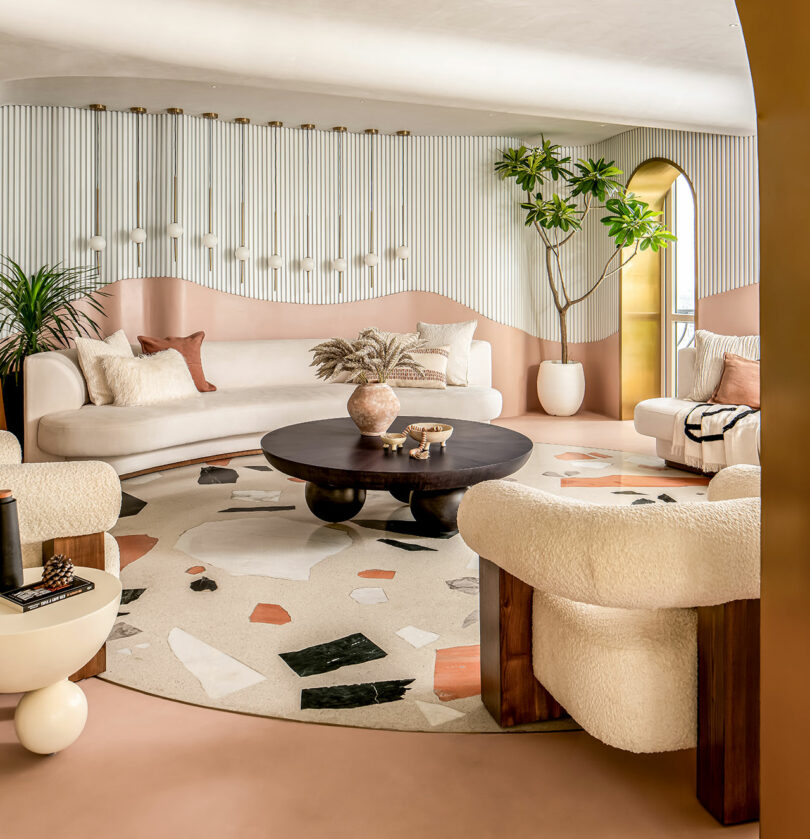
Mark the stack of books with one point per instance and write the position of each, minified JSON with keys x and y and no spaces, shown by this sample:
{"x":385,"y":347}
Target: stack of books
{"x":34,"y":595}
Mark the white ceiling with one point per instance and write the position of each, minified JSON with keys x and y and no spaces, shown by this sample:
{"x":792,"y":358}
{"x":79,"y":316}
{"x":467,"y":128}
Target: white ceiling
{"x":577,"y":70}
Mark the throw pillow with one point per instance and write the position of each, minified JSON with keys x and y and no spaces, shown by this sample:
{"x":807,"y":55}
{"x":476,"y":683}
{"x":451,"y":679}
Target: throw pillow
{"x":457,"y":336}
{"x":188,"y":347}
{"x":711,"y":350}
{"x":434,"y":363}
{"x":91,"y":354}
{"x":739,"y":384}
{"x":149,"y":378}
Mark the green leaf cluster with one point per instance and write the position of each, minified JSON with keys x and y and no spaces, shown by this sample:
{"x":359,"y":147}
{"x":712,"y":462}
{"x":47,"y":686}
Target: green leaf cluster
{"x":41,"y":311}
{"x":632,"y":222}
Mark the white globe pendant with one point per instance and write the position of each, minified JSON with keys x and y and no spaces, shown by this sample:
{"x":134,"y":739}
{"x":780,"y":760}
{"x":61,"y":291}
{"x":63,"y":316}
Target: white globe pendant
{"x":97,"y":243}
{"x":137,"y":236}
{"x":175,"y":230}
{"x":339,"y":265}
{"x":307,"y":264}
{"x":276,"y":261}
{"x":210,"y":240}
{"x":371,"y":260}
{"x":242,"y":253}
{"x":403,"y":252}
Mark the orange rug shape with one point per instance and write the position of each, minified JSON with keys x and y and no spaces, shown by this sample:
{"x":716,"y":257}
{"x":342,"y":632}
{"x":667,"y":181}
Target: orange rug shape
{"x":134,"y":547}
{"x":377,"y":574}
{"x":634,"y":481}
{"x":573,"y":456}
{"x":270,"y":613}
{"x":457,"y":672}
{"x":297,"y":480}
{"x":224,"y":462}
{"x":195,"y":569}
{"x":598,"y":454}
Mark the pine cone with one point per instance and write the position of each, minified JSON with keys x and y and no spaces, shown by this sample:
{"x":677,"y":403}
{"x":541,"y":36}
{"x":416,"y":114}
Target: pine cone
{"x":58,"y":572}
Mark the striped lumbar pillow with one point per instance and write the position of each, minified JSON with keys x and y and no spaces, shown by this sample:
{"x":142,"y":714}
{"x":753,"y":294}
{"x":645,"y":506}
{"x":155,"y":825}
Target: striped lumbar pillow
{"x":434,"y":364}
{"x":711,"y":350}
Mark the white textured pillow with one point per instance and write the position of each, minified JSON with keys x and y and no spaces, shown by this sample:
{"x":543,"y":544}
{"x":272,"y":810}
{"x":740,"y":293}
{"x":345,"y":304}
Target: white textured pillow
{"x":457,"y":336}
{"x":147,"y":379}
{"x":91,"y":354}
{"x":709,"y":360}
{"x":434,"y":366}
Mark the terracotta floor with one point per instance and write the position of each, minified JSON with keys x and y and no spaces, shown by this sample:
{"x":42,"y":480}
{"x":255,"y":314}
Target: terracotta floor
{"x":147,"y":767}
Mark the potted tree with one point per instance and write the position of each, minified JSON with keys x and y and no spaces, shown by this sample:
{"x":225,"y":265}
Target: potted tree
{"x":40,"y":312}
{"x":558,"y":217}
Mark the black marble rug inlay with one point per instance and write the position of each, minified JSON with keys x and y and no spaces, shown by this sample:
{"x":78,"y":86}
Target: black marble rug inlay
{"x":354,"y":696}
{"x":668,"y":498}
{"x":203,"y":584}
{"x":130,"y":594}
{"x":322,"y":658}
{"x":405,"y":546}
{"x":406,"y":528}
{"x":217,"y":475}
{"x":130,"y":505}
{"x":627,"y":492}
{"x":644,"y":501}
{"x":259,"y":468}
{"x":467,"y":585}
{"x":255,"y":509}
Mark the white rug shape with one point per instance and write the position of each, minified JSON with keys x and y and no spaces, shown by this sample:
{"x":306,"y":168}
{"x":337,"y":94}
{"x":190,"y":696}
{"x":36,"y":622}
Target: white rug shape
{"x":256,"y":495}
{"x":438,"y":714}
{"x":218,"y":673}
{"x":144,"y":479}
{"x":369,"y":596}
{"x":268,"y":546}
{"x":416,"y":637}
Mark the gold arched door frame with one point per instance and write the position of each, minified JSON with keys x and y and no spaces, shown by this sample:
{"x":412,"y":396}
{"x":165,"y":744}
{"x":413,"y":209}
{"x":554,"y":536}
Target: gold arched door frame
{"x":640,"y":294}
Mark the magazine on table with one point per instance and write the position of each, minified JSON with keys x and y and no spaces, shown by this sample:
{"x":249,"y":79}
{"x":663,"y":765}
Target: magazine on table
{"x":34,"y":595}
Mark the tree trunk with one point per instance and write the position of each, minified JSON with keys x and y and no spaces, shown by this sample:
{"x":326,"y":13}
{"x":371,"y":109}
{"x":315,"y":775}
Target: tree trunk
{"x":564,"y":334}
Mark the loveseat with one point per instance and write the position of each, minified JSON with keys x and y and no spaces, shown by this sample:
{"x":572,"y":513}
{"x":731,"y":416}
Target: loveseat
{"x":261,"y":385}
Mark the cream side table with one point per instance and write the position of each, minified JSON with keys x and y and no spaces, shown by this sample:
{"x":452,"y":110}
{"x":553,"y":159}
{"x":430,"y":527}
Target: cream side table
{"x":40,"y":649}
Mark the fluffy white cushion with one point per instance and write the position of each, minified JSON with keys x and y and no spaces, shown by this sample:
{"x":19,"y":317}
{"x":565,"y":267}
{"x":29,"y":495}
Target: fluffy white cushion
{"x":91,"y":354}
{"x":434,"y":368}
{"x":457,"y":336}
{"x":711,"y":350}
{"x":149,"y":378}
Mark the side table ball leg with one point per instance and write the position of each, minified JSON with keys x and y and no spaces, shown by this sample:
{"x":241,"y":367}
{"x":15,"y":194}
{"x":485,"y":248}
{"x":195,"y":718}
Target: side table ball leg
{"x":51,"y":718}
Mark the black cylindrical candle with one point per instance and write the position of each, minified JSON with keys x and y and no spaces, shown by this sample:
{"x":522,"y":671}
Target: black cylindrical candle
{"x":11,"y":571}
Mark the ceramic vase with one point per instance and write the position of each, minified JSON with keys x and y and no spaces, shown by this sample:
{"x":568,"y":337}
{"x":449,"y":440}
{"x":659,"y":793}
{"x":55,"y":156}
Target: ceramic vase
{"x":373,"y":407}
{"x":561,"y":387}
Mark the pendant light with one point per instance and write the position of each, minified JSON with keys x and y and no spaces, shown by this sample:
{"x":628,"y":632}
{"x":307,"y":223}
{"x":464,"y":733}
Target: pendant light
{"x":308,"y":263}
{"x":275,"y":260}
{"x":339,"y":264}
{"x":210,"y":240}
{"x":242,"y":253}
{"x":138,"y":235}
{"x":97,"y":242}
{"x":174,"y":228}
{"x":403,"y":251}
{"x":371,"y":260}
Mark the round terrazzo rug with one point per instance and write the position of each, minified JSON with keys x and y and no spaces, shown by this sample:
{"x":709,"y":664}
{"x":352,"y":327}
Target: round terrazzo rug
{"x":236,"y":597}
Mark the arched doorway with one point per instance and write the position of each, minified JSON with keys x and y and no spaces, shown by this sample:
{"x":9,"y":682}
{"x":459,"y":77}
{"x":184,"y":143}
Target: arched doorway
{"x":658,"y":294}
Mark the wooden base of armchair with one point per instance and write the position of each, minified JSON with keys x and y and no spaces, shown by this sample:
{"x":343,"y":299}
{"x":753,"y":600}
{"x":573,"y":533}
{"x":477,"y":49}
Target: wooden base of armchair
{"x":89,"y":552}
{"x":728,"y":687}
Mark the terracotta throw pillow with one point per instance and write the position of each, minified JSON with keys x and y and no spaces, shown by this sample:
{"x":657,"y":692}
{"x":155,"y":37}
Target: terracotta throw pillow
{"x":188,"y":347}
{"x":739,"y":384}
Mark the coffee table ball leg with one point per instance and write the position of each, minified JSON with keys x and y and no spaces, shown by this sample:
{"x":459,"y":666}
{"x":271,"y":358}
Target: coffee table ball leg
{"x":437,"y":510}
{"x":402,"y":494}
{"x":50,"y":719}
{"x":333,"y":503}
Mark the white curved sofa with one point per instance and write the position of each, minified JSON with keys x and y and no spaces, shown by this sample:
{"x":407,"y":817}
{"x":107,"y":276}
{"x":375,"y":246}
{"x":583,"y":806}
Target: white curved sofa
{"x":261,"y":385}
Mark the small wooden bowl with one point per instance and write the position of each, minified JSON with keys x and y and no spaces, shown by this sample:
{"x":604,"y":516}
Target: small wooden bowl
{"x":437,"y":432}
{"x":393,"y":440}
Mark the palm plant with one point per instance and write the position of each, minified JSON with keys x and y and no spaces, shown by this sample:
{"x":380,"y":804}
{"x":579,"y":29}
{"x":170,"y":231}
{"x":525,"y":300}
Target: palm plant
{"x":558,"y":218}
{"x":40,"y":312}
{"x":372,"y":357}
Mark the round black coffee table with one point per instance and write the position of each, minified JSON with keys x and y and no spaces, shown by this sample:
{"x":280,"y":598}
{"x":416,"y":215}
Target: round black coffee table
{"x":339,"y":465}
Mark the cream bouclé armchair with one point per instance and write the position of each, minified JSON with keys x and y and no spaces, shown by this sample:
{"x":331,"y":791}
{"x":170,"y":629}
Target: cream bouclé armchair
{"x":640,"y":621}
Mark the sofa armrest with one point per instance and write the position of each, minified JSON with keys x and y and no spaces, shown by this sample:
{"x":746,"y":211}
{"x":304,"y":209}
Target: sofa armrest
{"x":53,"y":382}
{"x":9,"y":448}
{"x":740,"y":481}
{"x":634,"y":557}
{"x":72,"y":498}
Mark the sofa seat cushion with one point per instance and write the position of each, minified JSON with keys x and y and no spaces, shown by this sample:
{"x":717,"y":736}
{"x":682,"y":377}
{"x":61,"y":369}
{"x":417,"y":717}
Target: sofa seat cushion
{"x":654,"y":417}
{"x":627,"y":676}
{"x":110,"y":431}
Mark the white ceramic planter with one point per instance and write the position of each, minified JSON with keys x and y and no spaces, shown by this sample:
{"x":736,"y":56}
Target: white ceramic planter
{"x":561,"y":387}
